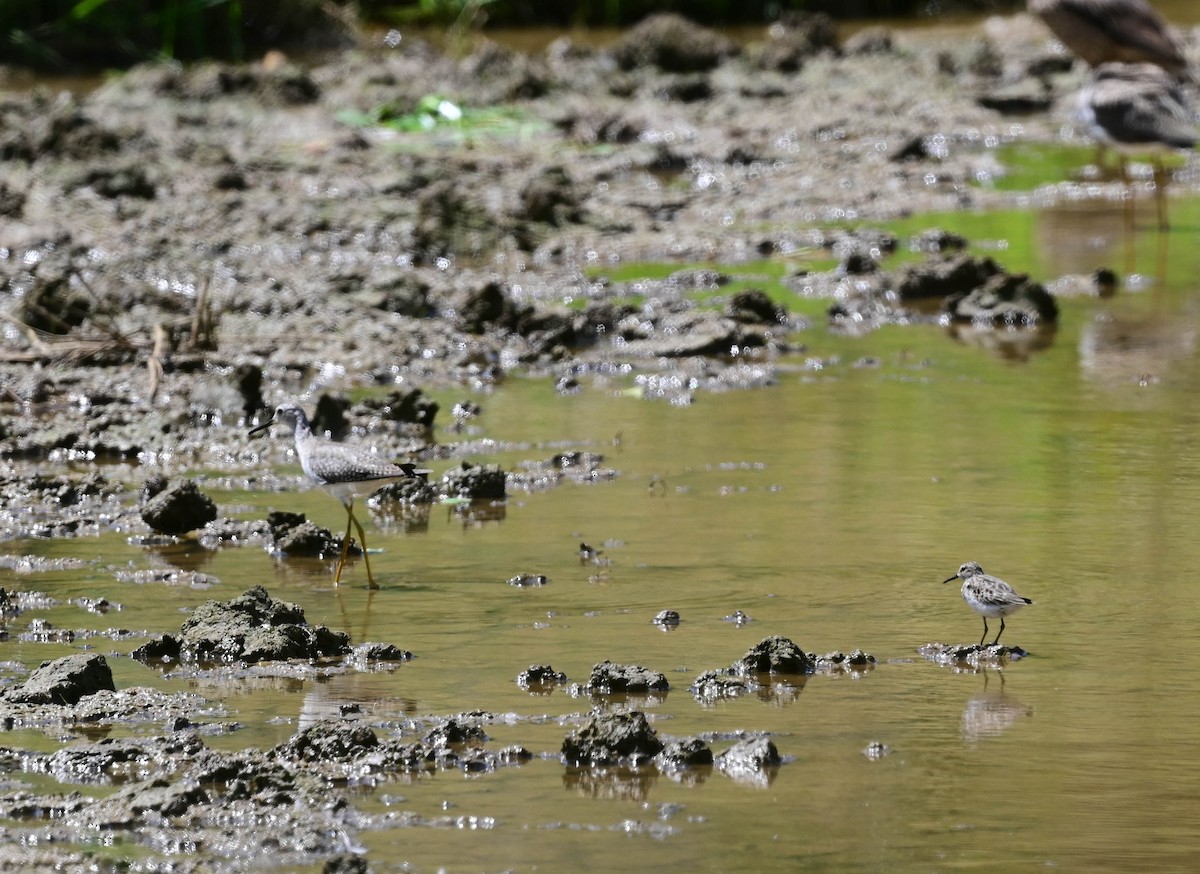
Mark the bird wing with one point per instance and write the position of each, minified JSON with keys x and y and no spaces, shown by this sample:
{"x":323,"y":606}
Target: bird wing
{"x":1131,"y":114}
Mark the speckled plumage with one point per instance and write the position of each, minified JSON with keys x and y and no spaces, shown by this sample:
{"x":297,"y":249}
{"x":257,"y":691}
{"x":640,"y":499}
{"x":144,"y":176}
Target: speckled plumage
{"x":1138,"y":108}
{"x":346,"y":472}
{"x":988,"y":596}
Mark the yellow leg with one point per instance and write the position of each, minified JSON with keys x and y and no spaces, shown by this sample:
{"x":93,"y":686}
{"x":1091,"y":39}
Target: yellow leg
{"x":1160,"y":194}
{"x":337,"y":577}
{"x":362,"y":536}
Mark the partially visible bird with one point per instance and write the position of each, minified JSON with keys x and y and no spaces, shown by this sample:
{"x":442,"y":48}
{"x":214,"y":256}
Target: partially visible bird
{"x":1138,"y":109}
{"x":987,"y":596}
{"x":1099,"y":31}
{"x":346,"y":472}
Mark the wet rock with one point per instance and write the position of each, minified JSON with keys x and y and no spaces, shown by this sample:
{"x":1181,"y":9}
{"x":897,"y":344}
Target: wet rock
{"x":293,"y":534}
{"x":328,"y":742}
{"x":329,"y":417}
{"x":525,"y":581}
{"x":63,"y":681}
{"x":12,"y":201}
{"x":792,"y":40}
{"x":666,"y":618}
{"x":714,"y":685}
{"x":942,"y":277}
{"x":53,"y":305}
{"x":773,"y":655}
{"x":539,"y":677}
{"x":453,"y":732}
{"x":550,"y":197}
{"x":399,"y":292}
{"x":855,"y":661}
{"x":750,"y":760}
{"x":412,"y":407}
{"x":247,"y":378}
{"x":1008,"y":299}
{"x":346,"y":864}
{"x":368,"y":654}
{"x":681,"y":754}
{"x":115,"y":181}
{"x":753,"y":306}
{"x":610,"y":679}
{"x":489,"y":306}
{"x":685,"y":333}
{"x":478,"y":482}
{"x":673,"y":44}
{"x":1022,"y":97}
{"x":612,"y":739}
{"x":250,"y":628}
{"x":935,"y":241}
{"x":971,"y":655}
{"x":876,"y":750}
{"x":178,"y":508}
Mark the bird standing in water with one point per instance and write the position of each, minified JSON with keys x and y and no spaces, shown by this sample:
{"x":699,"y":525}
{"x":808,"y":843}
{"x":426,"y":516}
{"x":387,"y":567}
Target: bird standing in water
{"x":346,"y":472}
{"x":1138,"y":109}
{"x":987,"y":596}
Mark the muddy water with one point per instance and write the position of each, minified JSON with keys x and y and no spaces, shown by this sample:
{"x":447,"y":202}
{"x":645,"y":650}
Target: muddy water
{"x":828,"y":508}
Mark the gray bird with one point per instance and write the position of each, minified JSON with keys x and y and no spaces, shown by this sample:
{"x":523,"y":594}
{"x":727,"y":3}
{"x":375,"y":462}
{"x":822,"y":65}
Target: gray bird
{"x":346,"y":472}
{"x":1138,"y":109}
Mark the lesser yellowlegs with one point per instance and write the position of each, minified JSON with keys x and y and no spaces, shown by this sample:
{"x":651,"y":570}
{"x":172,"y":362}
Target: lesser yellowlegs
{"x":988,"y":596}
{"x":346,"y":472}
{"x":1138,"y":108}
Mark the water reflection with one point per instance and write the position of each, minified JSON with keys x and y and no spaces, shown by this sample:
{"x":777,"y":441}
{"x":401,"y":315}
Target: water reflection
{"x":619,"y":784}
{"x":1127,"y":349}
{"x":1011,"y":344}
{"x":992,"y":712}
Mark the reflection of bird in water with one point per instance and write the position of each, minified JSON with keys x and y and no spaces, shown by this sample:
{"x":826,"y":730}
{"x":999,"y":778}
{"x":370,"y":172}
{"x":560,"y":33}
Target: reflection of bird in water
{"x":1122,"y":350}
{"x":1100,"y":31}
{"x":1138,"y":109}
{"x":991,"y":713}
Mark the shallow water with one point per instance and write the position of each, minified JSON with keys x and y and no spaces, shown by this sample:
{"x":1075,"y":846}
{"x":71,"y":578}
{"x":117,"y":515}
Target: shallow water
{"x":828,"y":507}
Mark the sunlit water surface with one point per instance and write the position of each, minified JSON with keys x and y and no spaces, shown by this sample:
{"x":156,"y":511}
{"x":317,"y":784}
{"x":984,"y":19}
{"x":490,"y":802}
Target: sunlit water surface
{"x":829,"y":508}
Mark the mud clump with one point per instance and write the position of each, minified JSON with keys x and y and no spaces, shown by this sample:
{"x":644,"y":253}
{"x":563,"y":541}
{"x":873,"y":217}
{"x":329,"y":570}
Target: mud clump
{"x":537,"y":678}
{"x":672,"y":44}
{"x":293,"y":534}
{"x":752,"y":760}
{"x":250,"y":628}
{"x":773,"y":655}
{"x":178,"y":508}
{"x":63,"y":681}
{"x":478,"y":482}
{"x":971,"y":655}
{"x":612,"y":739}
{"x":610,"y":679}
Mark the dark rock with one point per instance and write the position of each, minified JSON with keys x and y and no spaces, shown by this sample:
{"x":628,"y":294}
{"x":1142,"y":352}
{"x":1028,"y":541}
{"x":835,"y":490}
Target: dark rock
{"x":610,"y":739}
{"x":53,"y":305}
{"x":752,"y":305}
{"x":478,"y":482}
{"x":63,"y":681}
{"x":942,"y":277}
{"x":609,"y":679}
{"x":328,"y":742}
{"x":455,"y":733}
{"x":774,"y":655}
{"x":673,"y":44}
{"x":412,"y":407}
{"x":690,"y":753}
{"x":1020,"y":98}
{"x":1011,"y":299}
{"x":540,"y":676}
{"x":163,"y":649}
{"x":714,"y":685}
{"x":400,"y":293}
{"x":550,"y":197}
{"x":489,"y":307}
{"x":292,"y":534}
{"x":972,"y":655}
{"x":346,"y":864}
{"x":792,"y":40}
{"x":369,"y":653}
{"x":330,"y":416}
{"x":686,"y":88}
{"x":179,"y":508}
{"x":252,"y":627}
{"x":114,"y":182}
{"x":666,"y":618}
{"x":12,"y":201}
{"x":248,"y":380}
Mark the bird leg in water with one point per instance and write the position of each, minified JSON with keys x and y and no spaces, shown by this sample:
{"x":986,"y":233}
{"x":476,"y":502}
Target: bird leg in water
{"x":337,"y":577}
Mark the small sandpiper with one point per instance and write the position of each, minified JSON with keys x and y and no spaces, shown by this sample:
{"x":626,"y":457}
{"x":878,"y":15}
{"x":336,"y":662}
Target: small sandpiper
{"x":988,"y":596}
